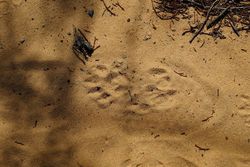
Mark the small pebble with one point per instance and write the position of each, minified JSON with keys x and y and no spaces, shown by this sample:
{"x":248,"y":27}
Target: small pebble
{"x":90,"y":12}
{"x":147,"y":37}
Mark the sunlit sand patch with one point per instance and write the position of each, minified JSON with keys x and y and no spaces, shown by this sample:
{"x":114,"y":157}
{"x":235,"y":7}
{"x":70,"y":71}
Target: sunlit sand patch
{"x":38,"y":81}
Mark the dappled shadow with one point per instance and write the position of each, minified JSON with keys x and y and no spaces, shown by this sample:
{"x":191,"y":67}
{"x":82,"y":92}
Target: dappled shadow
{"x":36,"y":96}
{"x":27,"y":109}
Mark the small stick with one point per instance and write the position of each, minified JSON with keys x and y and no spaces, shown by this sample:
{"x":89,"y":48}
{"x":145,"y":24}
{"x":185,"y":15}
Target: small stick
{"x":191,"y":30}
{"x":35,"y":124}
{"x":107,"y":8}
{"x":218,"y":92}
{"x":219,"y":18}
{"x":104,"y":12}
{"x":95,"y":43}
{"x":180,"y":73}
{"x":200,"y":148}
{"x":205,"y":22}
{"x":206,"y":119}
{"x":97,"y":47}
{"x":202,"y":44}
{"x":118,"y":4}
{"x":86,"y":30}
{"x":83,"y":35}
{"x":19,"y":143}
{"x":234,"y":28}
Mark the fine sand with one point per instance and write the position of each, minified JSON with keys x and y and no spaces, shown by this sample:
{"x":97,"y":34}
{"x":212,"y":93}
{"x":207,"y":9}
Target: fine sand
{"x":146,"y":97}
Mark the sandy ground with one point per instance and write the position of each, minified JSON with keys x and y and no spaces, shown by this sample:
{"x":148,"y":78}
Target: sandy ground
{"x":146,"y":98}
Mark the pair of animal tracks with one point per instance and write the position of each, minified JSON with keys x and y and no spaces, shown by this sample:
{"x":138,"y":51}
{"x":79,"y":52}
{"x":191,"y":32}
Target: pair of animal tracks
{"x":141,"y":97}
{"x":244,"y":109}
{"x":143,"y":91}
{"x":119,"y":84}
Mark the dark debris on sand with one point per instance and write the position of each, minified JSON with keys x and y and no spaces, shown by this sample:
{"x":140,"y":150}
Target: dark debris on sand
{"x":217,"y":14}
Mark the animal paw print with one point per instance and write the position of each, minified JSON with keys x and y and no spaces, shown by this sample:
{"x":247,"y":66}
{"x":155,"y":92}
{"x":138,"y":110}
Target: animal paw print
{"x":156,"y":92}
{"x":163,"y":89}
{"x":107,"y":86}
{"x":163,"y":93}
{"x":244,"y":109}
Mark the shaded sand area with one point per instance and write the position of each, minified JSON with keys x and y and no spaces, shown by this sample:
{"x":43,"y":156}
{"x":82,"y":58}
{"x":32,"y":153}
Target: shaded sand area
{"x":146,"y":97}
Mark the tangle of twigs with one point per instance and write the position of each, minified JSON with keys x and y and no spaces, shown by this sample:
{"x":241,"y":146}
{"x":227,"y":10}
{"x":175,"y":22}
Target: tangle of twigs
{"x":230,"y":13}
